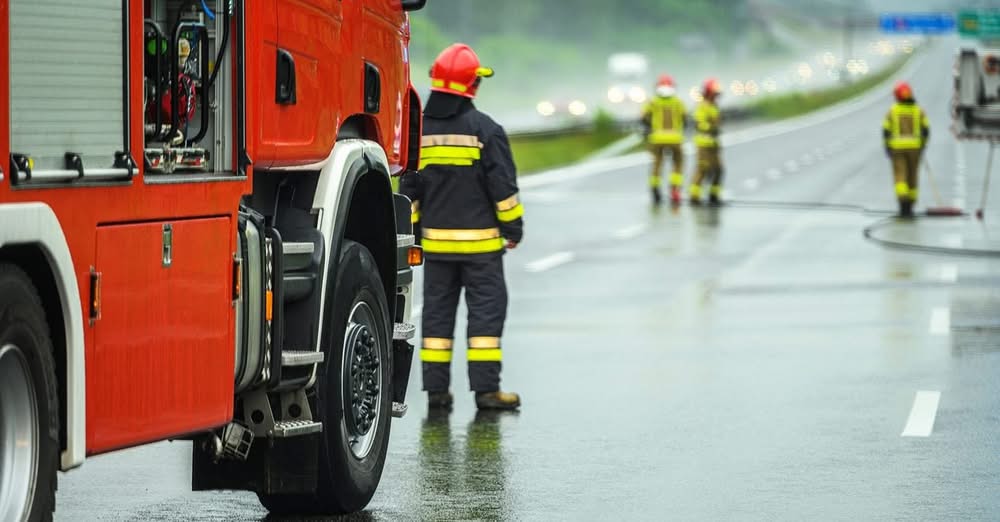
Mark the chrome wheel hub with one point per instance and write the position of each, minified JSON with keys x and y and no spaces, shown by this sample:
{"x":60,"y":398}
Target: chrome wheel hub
{"x":18,"y":435}
{"x":362,"y":380}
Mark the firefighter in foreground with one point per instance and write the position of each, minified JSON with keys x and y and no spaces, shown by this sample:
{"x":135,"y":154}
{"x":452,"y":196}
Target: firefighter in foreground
{"x":709,"y":159}
{"x":663,"y":120}
{"x":465,"y":199}
{"x":905,"y":131}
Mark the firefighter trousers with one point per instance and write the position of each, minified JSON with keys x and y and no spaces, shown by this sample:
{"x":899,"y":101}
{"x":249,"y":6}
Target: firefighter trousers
{"x":708,"y":167}
{"x":482,"y":278}
{"x":905,"y":169}
{"x":660,"y":152}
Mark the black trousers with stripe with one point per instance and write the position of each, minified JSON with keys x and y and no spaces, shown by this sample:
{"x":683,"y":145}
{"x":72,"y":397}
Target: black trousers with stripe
{"x":482,"y":278}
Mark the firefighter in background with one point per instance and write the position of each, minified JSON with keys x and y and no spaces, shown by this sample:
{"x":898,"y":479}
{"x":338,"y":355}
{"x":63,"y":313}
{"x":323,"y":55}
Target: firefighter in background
{"x":465,"y":199}
{"x":663,"y":119}
{"x":708,"y":164}
{"x":905,"y":131}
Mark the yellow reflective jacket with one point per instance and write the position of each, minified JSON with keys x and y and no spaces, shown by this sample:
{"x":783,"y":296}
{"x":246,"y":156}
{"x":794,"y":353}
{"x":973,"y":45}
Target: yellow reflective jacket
{"x":665,"y":116}
{"x":905,"y":126}
{"x":707,"y":121}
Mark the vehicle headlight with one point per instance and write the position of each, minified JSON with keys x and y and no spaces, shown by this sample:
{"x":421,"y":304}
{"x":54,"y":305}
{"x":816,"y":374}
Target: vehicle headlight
{"x":577,"y":108}
{"x":545,"y":108}
{"x":616,"y":95}
{"x":637,"y":94}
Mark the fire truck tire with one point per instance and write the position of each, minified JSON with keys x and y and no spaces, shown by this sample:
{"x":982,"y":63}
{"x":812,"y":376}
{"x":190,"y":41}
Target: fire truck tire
{"x":355,"y":438}
{"x":28,"y":390}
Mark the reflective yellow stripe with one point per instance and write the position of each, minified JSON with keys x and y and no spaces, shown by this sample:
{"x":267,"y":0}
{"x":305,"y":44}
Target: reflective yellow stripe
{"x":455,"y":86}
{"x":461,"y":234}
{"x":484,"y":72}
{"x":450,"y":151}
{"x":435,"y":356}
{"x":695,"y":191}
{"x":460,"y":140}
{"x":424,"y":162}
{"x":902,"y":189}
{"x":437,"y":343}
{"x":484,"y":342}
{"x":506,"y":216}
{"x":508,"y":203}
{"x":913,"y":194}
{"x":414,"y":211}
{"x":414,"y":217}
{"x":704,"y":140}
{"x":654,"y":181}
{"x":434,"y":246}
{"x":485,"y":355}
{"x":676,"y":179}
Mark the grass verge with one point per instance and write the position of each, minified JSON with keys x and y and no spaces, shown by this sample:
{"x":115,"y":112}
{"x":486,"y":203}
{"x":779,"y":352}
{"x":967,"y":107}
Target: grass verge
{"x":536,"y":153}
{"x":798,"y":103}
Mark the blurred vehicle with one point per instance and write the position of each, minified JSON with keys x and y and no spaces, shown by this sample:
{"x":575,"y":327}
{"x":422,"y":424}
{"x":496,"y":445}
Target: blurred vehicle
{"x":627,"y":78}
{"x":574,"y":108}
{"x":976,"y":104}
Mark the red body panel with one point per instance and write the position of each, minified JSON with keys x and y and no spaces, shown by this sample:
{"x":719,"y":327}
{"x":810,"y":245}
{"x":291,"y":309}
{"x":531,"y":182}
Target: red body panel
{"x":163,"y":329}
{"x":159,"y":361}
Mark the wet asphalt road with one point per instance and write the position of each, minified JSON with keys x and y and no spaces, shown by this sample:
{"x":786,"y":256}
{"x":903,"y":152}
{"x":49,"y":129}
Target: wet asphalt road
{"x":742,"y":363}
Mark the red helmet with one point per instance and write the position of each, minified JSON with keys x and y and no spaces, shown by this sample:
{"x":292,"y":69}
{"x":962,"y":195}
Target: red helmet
{"x":457,"y":71}
{"x":711,"y":88}
{"x":902,"y":91}
{"x":664,"y":81}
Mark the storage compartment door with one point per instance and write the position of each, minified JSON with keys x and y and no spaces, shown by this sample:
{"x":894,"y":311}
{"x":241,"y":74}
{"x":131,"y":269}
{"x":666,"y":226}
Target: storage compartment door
{"x":163,"y":354}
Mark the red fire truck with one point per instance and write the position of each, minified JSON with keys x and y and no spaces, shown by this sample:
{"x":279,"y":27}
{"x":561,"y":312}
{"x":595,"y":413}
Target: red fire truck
{"x":199,"y":240}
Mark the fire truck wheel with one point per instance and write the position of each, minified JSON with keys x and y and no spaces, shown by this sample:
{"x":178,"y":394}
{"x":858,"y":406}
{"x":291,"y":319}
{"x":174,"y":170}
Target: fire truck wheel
{"x":353,"y":395}
{"x":29,"y":408}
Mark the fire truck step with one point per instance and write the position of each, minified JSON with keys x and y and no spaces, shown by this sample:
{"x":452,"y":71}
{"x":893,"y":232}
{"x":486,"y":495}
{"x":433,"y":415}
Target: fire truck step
{"x":294,"y":428}
{"x":300,"y":358}
{"x":403,"y":331}
{"x":297,"y":256}
{"x":399,"y":409}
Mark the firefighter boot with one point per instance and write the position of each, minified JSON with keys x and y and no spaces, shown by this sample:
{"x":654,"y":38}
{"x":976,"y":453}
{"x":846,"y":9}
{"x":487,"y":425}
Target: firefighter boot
{"x":657,"y":197}
{"x":439,"y":400}
{"x":498,"y":400}
{"x":694,"y":192}
{"x":713,"y":199}
{"x":905,"y":208}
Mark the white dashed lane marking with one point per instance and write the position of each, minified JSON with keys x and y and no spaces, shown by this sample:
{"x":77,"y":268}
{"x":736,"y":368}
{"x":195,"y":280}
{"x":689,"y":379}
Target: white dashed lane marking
{"x":751,"y":183}
{"x":632,"y":231}
{"x":773,"y":174}
{"x":949,"y":273}
{"x":550,"y":262}
{"x":940,"y":321}
{"x":922,"y":414}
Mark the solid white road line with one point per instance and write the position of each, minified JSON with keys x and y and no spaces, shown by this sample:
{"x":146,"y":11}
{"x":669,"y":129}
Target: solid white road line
{"x":751,"y":183}
{"x":940,"y":321}
{"x":549,"y":262}
{"x":922,"y":415}
{"x":949,"y":273}
{"x":632,"y":231}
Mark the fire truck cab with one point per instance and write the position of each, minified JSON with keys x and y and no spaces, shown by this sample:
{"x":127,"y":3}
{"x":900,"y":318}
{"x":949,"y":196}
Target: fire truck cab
{"x":199,"y":240}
